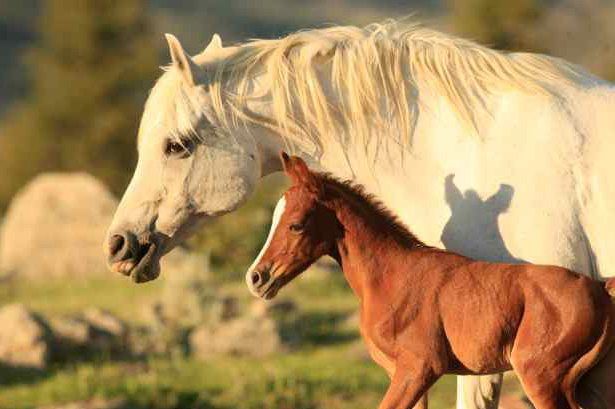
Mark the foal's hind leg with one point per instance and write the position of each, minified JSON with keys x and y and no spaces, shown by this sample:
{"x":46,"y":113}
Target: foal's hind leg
{"x":553,"y":399}
{"x":595,"y":389}
{"x":542,"y":386}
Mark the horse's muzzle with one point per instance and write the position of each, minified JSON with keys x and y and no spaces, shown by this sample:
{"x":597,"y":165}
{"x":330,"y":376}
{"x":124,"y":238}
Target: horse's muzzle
{"x":132,"y":256}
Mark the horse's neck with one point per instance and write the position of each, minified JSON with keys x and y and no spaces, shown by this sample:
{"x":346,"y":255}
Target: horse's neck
{"x":367,"y":251}
{"x":348,"y":157}
{"x":384,"y":161}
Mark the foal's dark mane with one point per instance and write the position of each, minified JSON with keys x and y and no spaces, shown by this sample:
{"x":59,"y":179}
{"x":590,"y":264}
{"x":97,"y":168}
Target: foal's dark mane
{"x":373,"y":208}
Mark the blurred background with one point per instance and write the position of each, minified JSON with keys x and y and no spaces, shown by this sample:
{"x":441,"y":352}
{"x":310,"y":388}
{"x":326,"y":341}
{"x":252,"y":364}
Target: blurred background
{"x":74,"y":75}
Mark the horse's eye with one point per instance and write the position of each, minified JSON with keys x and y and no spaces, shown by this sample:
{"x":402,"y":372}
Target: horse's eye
{"x":296,"y":227}
{"x":179,"y":148}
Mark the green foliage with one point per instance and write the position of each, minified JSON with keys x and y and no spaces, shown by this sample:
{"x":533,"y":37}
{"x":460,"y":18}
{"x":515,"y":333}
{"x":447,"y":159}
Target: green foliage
{"x":89,"y":74}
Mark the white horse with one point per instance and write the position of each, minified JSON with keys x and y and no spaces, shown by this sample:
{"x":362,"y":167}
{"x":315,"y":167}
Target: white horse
{"x":441,"y":129}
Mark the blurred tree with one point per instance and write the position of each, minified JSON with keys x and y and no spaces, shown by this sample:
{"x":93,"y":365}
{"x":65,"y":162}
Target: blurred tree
{"x":582,"y":31}
{"x":89,"y":75}
{"x":505,"y":25}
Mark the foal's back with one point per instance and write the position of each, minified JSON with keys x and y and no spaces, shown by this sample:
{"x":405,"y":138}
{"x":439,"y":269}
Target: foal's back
{"x":548,"y":323}
{"x":505,"y":305}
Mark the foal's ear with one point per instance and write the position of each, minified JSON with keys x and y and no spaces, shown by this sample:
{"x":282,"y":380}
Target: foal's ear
{"x":295,"y":168}
{"x":298,"y":172}
{"x":181,"y":60}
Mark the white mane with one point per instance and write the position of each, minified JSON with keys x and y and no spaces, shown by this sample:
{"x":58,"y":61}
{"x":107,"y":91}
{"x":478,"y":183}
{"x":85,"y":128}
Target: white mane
{"x":371,"y":80}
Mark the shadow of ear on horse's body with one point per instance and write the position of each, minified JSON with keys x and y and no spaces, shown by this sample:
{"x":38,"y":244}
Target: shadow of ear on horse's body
{"x":472,"y":229}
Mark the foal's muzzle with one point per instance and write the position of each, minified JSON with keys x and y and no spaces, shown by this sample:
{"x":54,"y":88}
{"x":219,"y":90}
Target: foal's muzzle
{"x":261,"y":283}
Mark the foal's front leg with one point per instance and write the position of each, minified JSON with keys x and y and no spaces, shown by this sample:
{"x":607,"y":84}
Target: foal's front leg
{"x":407,"y":387}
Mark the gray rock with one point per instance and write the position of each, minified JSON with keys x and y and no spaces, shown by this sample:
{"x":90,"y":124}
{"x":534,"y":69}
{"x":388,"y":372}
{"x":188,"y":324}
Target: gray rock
{"x":188,"y":297}
{"x":247,"y":336}
{"x":25,"y":339}
{"x":105,"y":321}
{"x":71,"y":330}
{"x":55,"y":226}
{"x":262,"y":308}
{"x":182,"y":265}
{"x":95,"y":330}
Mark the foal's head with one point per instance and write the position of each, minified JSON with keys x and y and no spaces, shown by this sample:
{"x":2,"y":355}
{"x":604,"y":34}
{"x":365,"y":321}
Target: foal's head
{"x":303,"y":230}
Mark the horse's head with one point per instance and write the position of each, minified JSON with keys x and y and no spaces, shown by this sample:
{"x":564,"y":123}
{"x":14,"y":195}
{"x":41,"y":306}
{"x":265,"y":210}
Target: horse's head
{"x":188,"y":170}
{"x":303,"y":230}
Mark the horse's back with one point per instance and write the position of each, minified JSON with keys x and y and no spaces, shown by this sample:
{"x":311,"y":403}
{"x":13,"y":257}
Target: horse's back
{"x":596,"y":185}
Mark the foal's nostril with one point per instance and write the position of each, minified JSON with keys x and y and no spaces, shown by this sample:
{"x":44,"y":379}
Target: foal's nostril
{"x":116,"y":243}
{"x":256,"y":278}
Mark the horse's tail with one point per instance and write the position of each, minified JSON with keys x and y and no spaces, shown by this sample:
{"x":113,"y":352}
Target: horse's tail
{"x":610,"y":286}
{"x":591,"y":357}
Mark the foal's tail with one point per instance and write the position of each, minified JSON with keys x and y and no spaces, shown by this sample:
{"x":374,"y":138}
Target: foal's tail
{"x":591,"y":357}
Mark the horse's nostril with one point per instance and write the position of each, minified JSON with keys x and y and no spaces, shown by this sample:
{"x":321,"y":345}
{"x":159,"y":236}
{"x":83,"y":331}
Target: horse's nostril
{"x":116,"y":243}
{"x":122,"y":246}
{"x":256,"y":278}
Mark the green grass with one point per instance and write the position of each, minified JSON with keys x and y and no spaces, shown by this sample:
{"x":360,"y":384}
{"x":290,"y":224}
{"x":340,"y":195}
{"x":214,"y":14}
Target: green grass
{"x":59,"y":297}
{"x":311,"y":379}
{"x":323,"y":370}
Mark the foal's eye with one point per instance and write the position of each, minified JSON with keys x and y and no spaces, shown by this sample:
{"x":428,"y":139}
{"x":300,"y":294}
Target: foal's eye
{"x":296,"y":227}
{"x":181,"y":148}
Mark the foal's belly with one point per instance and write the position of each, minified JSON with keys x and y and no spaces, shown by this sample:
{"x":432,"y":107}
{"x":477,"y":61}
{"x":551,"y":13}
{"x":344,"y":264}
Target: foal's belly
{"x":473,"y":361}
{"x":482,"y":350}
{"x":481,"y":326}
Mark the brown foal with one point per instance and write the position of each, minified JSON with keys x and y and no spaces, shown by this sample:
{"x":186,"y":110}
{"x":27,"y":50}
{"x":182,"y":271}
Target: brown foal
{"x":426,"y":312}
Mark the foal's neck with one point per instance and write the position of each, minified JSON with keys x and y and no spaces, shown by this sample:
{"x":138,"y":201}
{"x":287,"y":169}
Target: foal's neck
{"x":374,"y":241}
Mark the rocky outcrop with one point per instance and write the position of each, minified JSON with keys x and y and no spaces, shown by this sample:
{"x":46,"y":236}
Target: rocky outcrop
{"x":245,"y":336}
{"x":55,"y":226}
{"x":93,"y":331}
{"x":25,"y":340}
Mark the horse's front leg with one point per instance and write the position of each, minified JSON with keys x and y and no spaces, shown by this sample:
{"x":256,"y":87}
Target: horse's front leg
{"x":478,"y":392}
{"x":408,"y":388}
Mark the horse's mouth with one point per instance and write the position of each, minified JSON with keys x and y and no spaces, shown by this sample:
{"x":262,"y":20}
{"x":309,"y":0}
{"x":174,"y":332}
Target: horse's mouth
{"x":145,"y":268}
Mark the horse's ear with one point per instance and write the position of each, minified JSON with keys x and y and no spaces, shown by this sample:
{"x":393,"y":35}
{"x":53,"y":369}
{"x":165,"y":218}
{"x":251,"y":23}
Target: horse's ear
{"x":214,"y":44}
{"x":298,"y":171}
{"x":180,"y":59}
